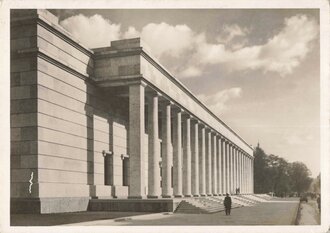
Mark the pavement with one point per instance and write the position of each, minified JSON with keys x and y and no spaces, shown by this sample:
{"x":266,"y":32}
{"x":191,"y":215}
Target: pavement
{"x":67,"y":218}
{"x":309,"y":213}
{"x":274,"y":212}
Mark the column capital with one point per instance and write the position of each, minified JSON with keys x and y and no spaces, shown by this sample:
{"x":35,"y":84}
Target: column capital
{"x":208,"y":129}
{"x":177,"y":109}
{"x":222,"y":138}
{"x":138,"y":82}
{"x":186,"y":115}
{"x":152,"y":93}
{"x":215,"y":133}
{"x":195,"y":120}
{"x":202,"y":125}
{"x":164,"y":101}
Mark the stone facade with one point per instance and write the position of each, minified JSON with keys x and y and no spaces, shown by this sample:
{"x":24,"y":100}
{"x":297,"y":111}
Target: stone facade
{"x":108,"y":123}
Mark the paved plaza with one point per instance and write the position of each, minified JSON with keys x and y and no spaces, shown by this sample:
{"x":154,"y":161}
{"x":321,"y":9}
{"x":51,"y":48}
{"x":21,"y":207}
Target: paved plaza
{"x":273,"y":212}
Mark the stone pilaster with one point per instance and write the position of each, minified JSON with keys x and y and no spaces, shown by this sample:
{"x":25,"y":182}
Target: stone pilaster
{"x":136,"y":141}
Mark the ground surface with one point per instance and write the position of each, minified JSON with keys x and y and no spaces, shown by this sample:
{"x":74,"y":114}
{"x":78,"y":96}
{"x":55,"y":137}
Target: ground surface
{"x":274,"y":212}
{"x":66,"y":218}
{"x":309,"y":214}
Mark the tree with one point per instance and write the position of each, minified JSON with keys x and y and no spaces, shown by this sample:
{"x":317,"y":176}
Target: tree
{"x":300,"y":177}
{"x":274,"y":174}
{"x":279,"y":168}
{"x":261,"y":172}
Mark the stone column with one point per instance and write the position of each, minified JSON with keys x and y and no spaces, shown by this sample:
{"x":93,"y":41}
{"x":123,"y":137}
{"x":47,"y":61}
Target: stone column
{"x":194,"y":158}
{"x":244,"y":174}
{"x":227,"y":181}
{"x":229,"y":168}
{"x":241,"y":172}
{"x":214,"y":165}
{"x":232,"y":162}
{"x":237,"y":168}
{"x":252,"y":174}
{"x":208,"y":164}
{"x":223,"y":165}
{"x":219,"y":166}
{"x":186,"y":157}
{"x":167,"y":154}
{"x":177,"y":154}
{"x":249,"y":173}
{"x":234,"y":169}
{"x":202,"y":164}
{"x":136,"y":141}
{"x":153,"y":148}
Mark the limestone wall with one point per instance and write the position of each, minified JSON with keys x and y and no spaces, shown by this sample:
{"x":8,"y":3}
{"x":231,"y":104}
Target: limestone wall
{"x":60,"y":122}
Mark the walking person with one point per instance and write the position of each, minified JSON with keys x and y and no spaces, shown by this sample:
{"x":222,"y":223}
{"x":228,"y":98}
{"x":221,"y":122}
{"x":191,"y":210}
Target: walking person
{"x":318,"y":200}
{"x":227,"y":204}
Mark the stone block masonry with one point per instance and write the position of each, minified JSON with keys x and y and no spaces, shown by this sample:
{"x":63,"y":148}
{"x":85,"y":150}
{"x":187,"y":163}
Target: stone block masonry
{"x":109,"y":123}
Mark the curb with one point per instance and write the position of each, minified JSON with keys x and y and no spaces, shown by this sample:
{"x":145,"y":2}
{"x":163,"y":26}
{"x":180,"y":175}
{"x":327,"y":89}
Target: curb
{"x":295,"y":221}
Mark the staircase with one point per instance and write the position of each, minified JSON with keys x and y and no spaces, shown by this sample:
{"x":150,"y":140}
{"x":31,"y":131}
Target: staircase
{"x":203,"y":205}
{"x":213,"y":204}
{"x":264,"y":197}
{"x":199,"y":205}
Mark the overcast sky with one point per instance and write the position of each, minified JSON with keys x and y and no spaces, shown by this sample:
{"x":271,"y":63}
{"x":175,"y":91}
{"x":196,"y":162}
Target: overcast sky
{"x":258,"y":70}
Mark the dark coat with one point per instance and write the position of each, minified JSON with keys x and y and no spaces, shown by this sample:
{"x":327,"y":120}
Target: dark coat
{"x":227,"y":202}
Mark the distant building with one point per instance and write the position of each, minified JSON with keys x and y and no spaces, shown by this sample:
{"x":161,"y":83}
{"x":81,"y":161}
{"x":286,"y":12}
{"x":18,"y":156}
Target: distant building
{"x":109,"y":123}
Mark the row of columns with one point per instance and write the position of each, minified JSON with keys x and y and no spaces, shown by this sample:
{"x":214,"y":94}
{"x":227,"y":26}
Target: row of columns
{"x":203,"y":161}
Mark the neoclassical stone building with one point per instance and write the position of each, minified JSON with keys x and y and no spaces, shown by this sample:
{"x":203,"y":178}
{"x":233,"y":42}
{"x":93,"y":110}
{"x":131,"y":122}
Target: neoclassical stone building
{"x":109,"y":123}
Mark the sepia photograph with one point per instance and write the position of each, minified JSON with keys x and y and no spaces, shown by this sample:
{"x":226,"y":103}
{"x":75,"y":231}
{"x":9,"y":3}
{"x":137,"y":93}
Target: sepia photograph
{"x":201,"y":117}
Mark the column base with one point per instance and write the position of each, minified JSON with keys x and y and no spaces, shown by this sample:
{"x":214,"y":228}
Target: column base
{"x":209,"y":195}
{"x":196,"y":195}
{"x":187,"y":195}
{"x":152,"y":196}
{"x":167,"y":196}
{"x":203,"y":195}
{"x":136,"y":197}
{"x":178,"y":195}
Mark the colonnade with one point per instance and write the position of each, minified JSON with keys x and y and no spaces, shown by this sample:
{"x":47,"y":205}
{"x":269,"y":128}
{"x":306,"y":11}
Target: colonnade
{"x":204,"y":162}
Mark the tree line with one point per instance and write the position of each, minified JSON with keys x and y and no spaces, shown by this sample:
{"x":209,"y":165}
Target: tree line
{"x":275,"y":174}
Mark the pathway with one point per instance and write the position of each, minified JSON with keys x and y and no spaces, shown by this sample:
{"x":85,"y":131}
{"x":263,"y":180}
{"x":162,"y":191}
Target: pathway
{"x":273,"y":212}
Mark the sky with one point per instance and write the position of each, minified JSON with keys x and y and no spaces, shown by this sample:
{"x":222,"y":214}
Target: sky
{"x":257,"y":69}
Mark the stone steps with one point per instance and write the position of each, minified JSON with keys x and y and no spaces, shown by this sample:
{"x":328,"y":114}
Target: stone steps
{"x":242,"y":201}
{"x":247,"y":199}
{"x":201,"y":205}
{"x":264,"y":197}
